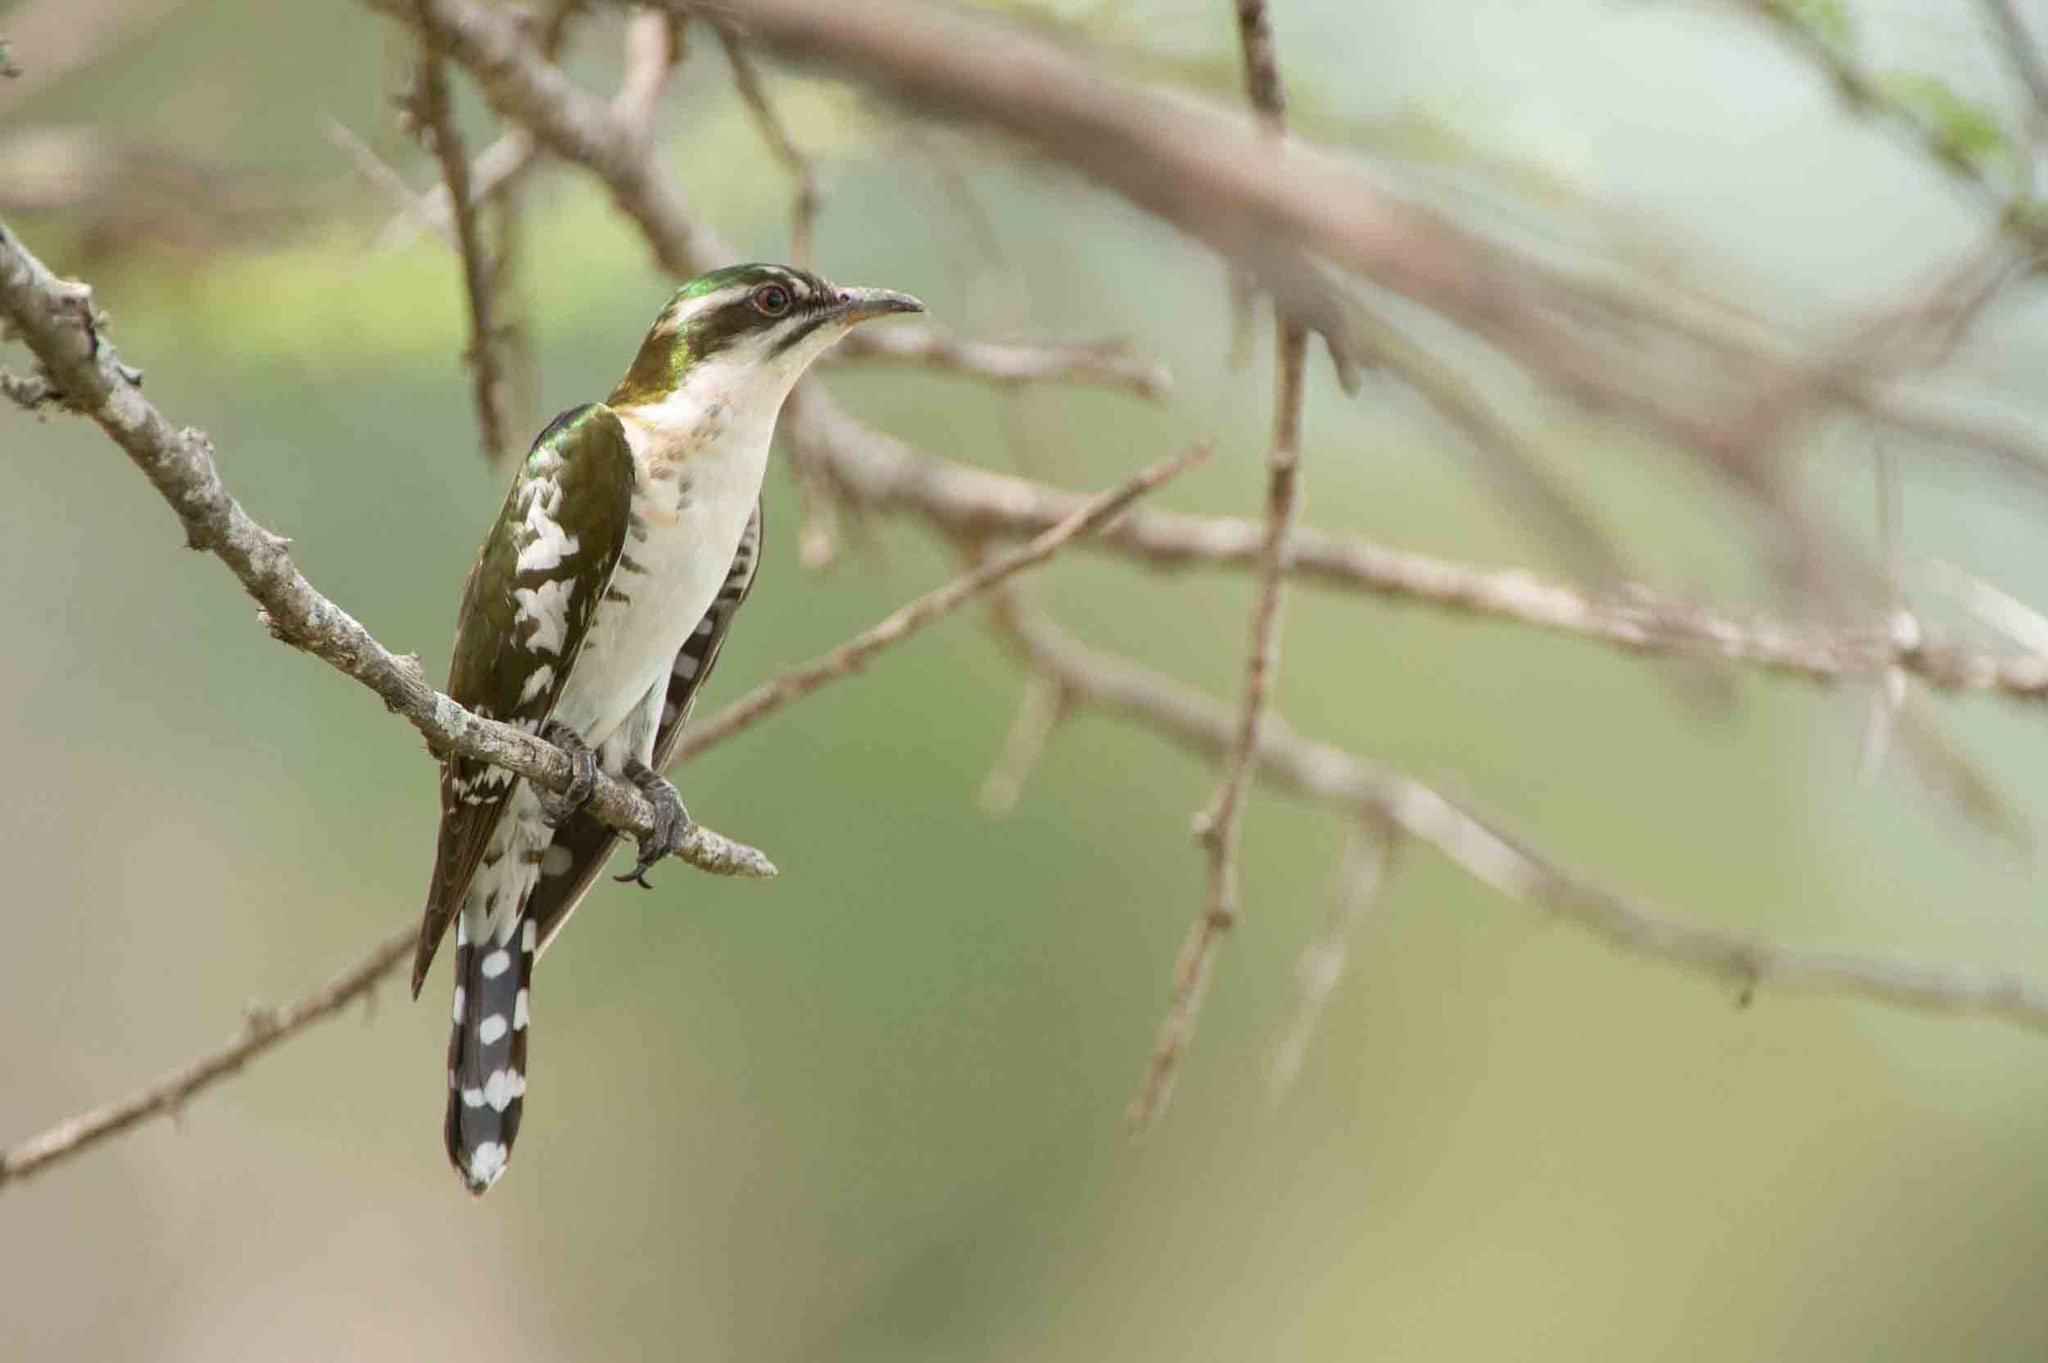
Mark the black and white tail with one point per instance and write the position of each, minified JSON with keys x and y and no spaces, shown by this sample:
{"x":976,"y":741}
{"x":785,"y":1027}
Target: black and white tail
{"x":487,"y":1048}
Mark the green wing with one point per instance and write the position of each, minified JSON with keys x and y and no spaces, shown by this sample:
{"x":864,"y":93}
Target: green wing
{"x":537,"y":580}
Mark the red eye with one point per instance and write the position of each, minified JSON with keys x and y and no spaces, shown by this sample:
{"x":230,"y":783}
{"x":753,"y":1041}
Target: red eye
{"x":772,"y":299}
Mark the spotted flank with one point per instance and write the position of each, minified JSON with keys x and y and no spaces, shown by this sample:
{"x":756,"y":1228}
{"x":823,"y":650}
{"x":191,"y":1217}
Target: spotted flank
{"x":583,"y":845}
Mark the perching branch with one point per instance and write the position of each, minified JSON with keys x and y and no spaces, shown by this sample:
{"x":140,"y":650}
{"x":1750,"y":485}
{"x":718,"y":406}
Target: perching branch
{"x":55,"y":319}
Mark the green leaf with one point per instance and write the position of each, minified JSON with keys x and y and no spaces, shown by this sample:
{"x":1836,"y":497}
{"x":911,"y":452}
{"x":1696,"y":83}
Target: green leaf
{"x":1827,"y":22}
{"x":1961,"y":129}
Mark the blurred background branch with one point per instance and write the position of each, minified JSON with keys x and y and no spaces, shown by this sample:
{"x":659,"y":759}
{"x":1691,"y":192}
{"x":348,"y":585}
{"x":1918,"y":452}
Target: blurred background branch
{"x":1679,"y":396}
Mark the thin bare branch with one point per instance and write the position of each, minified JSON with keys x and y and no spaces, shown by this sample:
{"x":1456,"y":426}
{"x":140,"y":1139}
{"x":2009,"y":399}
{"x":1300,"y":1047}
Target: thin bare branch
{"x":882,"y":473}
{"x":431,"y":106}
{"x":1367,"y":859}
{"x":746,"y":78}
{"x":261,"y":1029}
{"x":1330,"y":776}
{"x":1039,"y":713}
{"x":379,"y":173}
{"x":2017,"y":46}
{"x":1220,"y":827}
{"x":772,"y":695}
{"x":56,"y":320}
{"x":1010,"y":363}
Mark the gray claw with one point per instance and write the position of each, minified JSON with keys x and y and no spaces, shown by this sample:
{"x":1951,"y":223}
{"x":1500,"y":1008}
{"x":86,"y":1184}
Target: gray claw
{"x":671,"y":821}
{"x":558,"y":809}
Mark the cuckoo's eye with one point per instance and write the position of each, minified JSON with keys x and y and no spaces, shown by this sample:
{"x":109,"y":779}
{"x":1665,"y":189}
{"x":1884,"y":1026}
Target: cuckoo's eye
{"x":771,"y":300}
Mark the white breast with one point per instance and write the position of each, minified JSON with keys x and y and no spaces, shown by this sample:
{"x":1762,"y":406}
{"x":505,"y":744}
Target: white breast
{"x":701,"y":455}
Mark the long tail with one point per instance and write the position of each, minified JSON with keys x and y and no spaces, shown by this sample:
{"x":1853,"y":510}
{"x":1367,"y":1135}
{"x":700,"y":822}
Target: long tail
{"x":487,"y":1049}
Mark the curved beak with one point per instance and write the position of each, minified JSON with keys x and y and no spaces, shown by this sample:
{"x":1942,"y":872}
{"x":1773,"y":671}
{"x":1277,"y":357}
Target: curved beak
{"x":857,"y":305}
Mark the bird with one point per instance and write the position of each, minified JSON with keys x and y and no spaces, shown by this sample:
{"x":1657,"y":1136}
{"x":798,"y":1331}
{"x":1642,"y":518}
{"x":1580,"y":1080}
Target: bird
{"x":600,"y":600}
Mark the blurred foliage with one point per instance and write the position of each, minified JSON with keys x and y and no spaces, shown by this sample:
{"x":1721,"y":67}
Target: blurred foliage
{"x":869,"y":1110}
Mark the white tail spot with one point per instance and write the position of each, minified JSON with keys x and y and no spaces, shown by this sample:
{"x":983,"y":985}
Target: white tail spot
{"x":528,"y":935}
{"x":491,"y":1028}
{"x":473,"y":1098}
{"x":486,"y":1163}
{"x":456,"y":1016}
{"x":500,"y":1089}
{"x":496,"y":964}
{"x":519,"y":1015}
{"x":555,"y":861}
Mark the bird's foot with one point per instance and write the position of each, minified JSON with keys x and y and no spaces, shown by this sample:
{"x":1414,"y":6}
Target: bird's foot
{"x":557,"y":809}
{"x":671,"y":821}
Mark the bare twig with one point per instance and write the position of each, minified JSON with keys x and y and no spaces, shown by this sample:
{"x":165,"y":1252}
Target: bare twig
{"x":2017,"y":46}
{"x":746,"y":78}
{"x":508,"y":157}
{"x":1220,"y":827}
{"x":55,"y":319}
{"x":261,"y":1029}
{"x":1335,"y":778}
{"x":882,"y":473}
{"x":772,"y":695}
{"x":1010,"y":363}
{"x":1367,"y":860}
{"x":378,"y":172}
{"x":1039,"y":713}
{"x":479,"y":272}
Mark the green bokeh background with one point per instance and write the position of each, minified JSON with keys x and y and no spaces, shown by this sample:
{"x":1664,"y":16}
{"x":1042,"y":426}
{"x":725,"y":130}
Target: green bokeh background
{"x":870,"y":1110}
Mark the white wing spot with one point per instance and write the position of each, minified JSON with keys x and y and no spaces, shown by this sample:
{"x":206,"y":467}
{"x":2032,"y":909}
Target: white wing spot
{"x":487,"y":1163}
{"x":541,"y":679}
{"x":550,"y":544}
{"x":547,"y":606}
{"x":520,"y":1016}
{"x":496,"y":964}
{"x":491,"y":1028}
